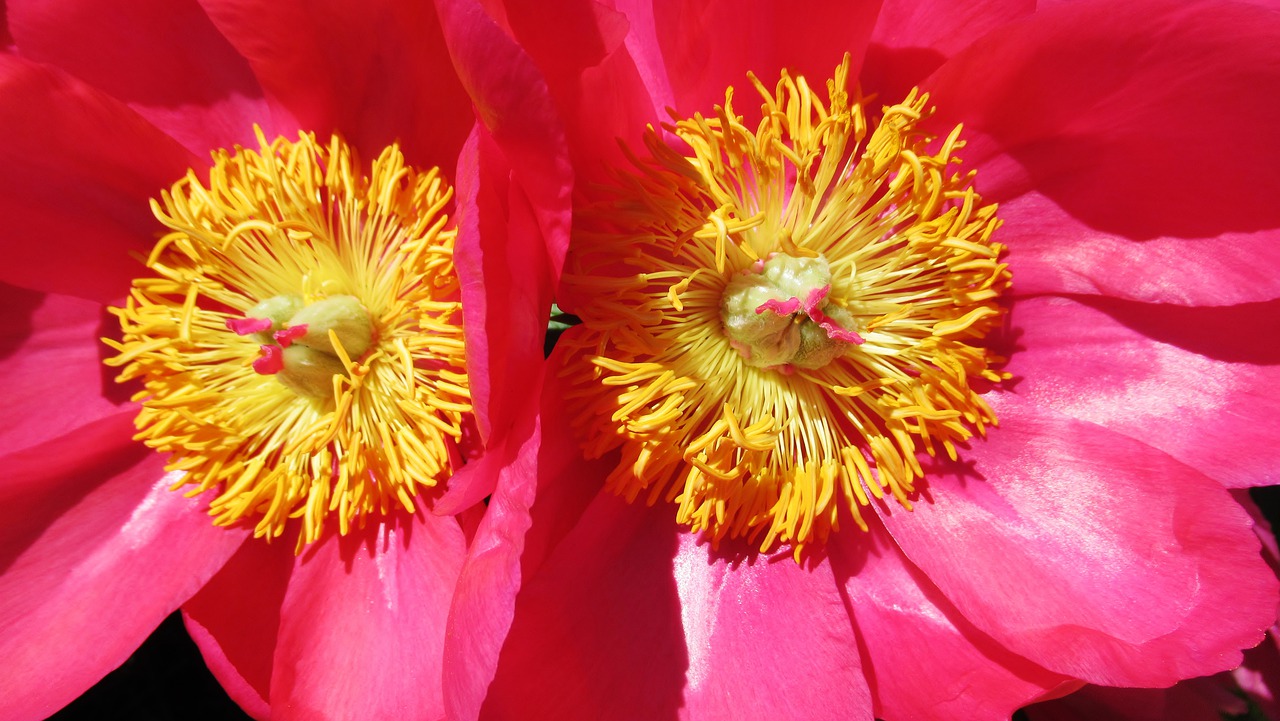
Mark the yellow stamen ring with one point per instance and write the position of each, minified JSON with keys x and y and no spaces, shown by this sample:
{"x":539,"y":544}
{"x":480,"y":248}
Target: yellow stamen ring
{"x":906,"y":280}
{"x":366,"y":263}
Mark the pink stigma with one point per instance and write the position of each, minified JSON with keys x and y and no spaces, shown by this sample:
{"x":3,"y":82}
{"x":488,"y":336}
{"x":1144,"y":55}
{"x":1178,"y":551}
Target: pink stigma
{"x":286,"y":336}
{"x":271,"y":362}
{"x":248,"y":326}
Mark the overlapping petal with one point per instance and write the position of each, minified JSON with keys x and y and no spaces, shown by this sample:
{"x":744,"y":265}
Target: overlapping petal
{"x":1195,"y":383}
{"x":923,"y":658}
{"x":1110,"y":182}
{"x":48,"y":331}
{"x":163,"y":58}
{"x":1131,"y":554}
{"x":68,"y":145}
{"x":97,"y":552}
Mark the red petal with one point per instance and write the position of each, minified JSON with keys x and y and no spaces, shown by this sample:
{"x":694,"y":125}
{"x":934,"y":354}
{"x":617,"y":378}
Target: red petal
{"x":161,"y":57}
{"x":541,"y":462}
{"x":912,"y":38}
{"x":362,"y":624}
{"x":76,"y":171}
{"x":513,"y":103}
{"x":1110,"y":182}
{"x":506,"y":288}
{"x":97,"y":551}
{"x":703,"y":47}
{"x":234,"y":620}
{"x":602,"y":93}
{"x":1089,"y":553}
{"x":377,"y":72}
{"x":51,"y":360}
{"x":1198,"y":699}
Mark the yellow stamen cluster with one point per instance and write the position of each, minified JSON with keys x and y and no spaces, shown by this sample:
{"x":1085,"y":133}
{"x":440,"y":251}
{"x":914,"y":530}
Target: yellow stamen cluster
{"x":776,"y":453}
{"x":301,"y":219}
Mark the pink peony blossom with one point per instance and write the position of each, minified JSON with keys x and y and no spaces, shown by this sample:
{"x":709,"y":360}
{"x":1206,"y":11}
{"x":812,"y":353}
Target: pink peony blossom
{"x":1089,"y":538}
{"x":102,"y":107}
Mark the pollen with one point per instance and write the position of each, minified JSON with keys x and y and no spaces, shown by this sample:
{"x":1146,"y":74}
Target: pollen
{"x":298,"y":337}
{"x":780,"y":319}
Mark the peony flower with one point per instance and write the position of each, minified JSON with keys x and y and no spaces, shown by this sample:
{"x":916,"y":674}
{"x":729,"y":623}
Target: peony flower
{"x":309,"y":339}
{"x":896,"y":404}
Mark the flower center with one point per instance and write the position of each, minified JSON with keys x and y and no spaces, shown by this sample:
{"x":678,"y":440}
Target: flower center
{"x":777,"y":314}
{"x":303,"y":345}
{"x":299,"y":340}
{"x":776,"y":321}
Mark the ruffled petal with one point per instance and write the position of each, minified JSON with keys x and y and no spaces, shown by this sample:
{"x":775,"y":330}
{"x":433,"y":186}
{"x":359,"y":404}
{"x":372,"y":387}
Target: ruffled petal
{"x":378,"y":72}
{"x":514,"y":104}
{"x":76,"y":171}
{"x":923,"y":659}
{"x":766,"y":638}
{"x":912,"y":38}
{"x":1110,"y":181}
{"x":234,"y":620}
{"x":363,"y":623}
{"x":1201,"y":384}
{"x":97,"y":551}
{"x":51,"y":360}
{"x":1090,"y":554}
{"x":161,"y":57}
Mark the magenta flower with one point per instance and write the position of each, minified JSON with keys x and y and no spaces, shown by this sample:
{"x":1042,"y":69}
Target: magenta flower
{"x":803,"y":320}
{"x":340,"y":315}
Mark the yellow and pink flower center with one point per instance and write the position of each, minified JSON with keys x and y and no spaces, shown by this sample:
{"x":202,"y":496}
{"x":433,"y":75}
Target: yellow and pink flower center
{"x":778,"y":319}
{"x":299,"y":341}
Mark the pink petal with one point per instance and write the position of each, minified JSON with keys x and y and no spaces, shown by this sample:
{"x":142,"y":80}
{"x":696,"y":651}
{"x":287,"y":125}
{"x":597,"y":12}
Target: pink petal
{"x":514,"y":104}
{"x":161,"y":57}
{"x":603,"y":91}
{"x":1214,"y":405}
{"x":363,"y":621}
{"x":602,"y":595}
{"x":923,"y":659}
{"x":97,"y":551}
{"x":506,"y":289}
{"x":235,"y":618}
{"x":597,"y":632}
{"x":51,"y":360}
{"x":1109,"y":181}
{"x":238,"y":688}
{"x":377,"y":72}
{"x":763,"y":634}
{"x":513,"y":540}
{"x":1089,"y":553}
{"x":912,"y":38}
{"x":76,"y":171}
